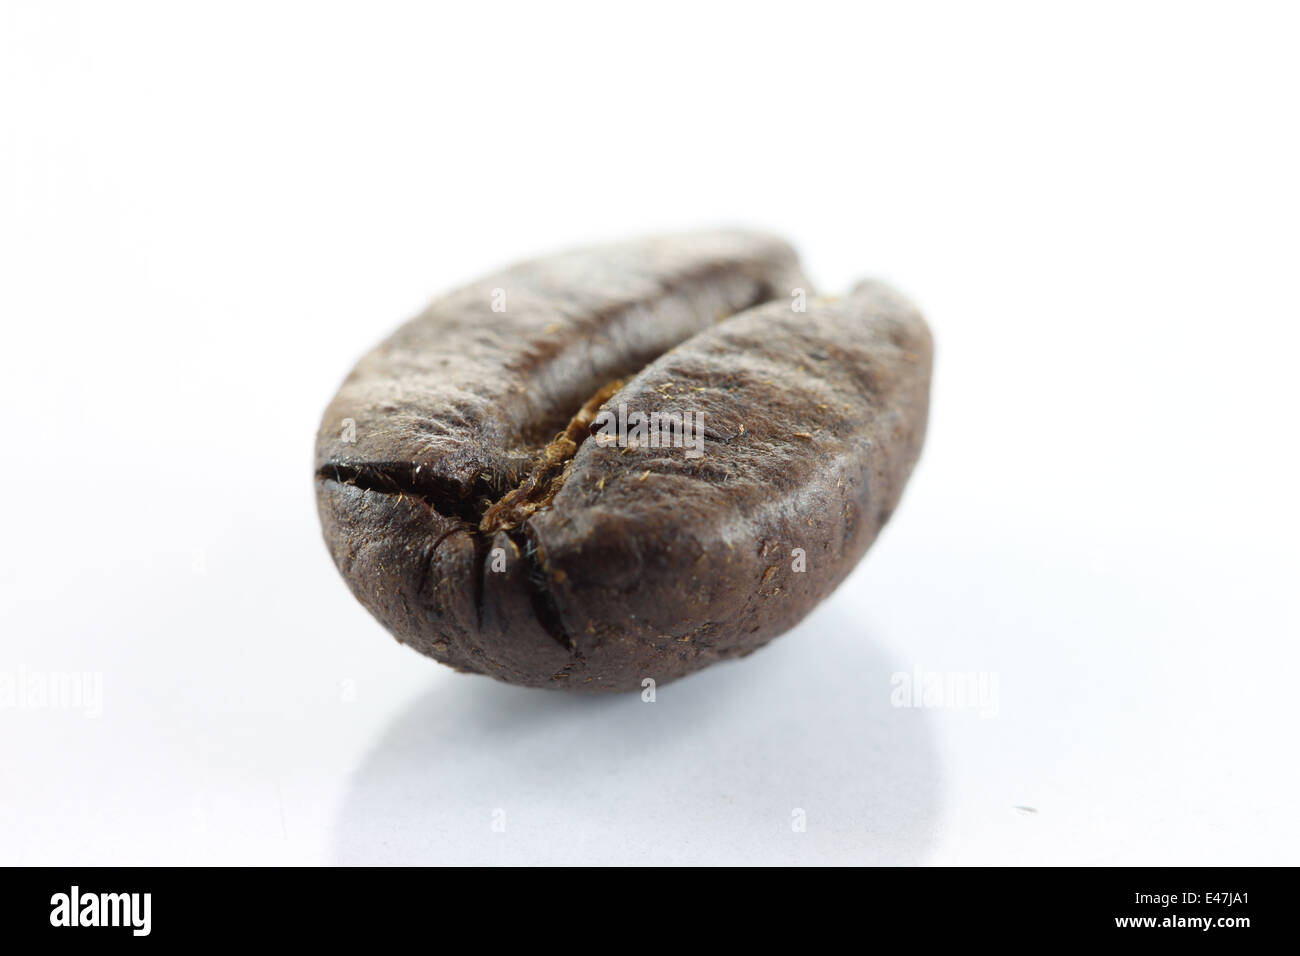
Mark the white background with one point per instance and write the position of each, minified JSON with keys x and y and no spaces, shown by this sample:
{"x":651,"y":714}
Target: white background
{"x":208,"y":212}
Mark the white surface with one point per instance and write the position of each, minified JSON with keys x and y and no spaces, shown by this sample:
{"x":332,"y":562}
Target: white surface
{"x":207,"y":215}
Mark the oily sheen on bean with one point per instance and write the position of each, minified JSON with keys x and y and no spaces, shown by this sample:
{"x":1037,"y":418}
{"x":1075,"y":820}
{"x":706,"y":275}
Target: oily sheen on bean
{"x":622,"y":462}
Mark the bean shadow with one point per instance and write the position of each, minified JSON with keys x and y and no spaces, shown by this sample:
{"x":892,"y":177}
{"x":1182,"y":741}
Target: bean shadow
{"x":794,"y":755}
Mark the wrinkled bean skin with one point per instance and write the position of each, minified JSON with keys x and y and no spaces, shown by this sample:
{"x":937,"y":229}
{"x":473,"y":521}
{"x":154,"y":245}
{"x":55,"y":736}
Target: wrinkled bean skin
{"x":470,"y":509}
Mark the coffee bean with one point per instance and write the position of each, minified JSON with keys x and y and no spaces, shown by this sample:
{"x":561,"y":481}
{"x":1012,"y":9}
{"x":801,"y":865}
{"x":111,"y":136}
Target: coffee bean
{"x":621,"y":463}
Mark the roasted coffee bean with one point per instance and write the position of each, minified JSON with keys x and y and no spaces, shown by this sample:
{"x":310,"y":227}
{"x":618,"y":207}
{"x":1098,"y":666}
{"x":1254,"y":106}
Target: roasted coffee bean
{"x":621,"y":463}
